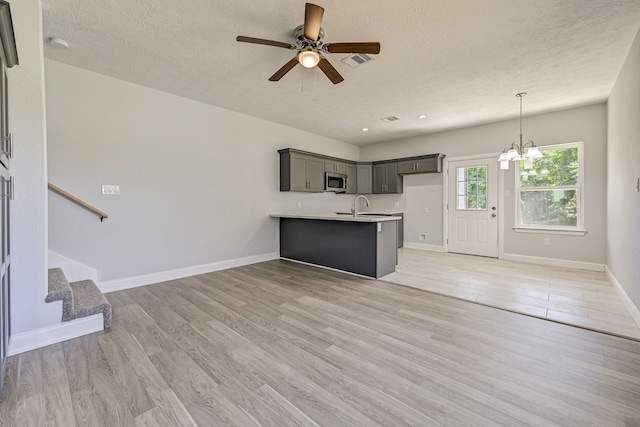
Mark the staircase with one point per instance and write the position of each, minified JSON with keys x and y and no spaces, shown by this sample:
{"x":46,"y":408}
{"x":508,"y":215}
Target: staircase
{"x":79,"y":299}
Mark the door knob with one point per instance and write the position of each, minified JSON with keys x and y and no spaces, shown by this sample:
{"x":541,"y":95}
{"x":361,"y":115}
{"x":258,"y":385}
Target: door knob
{"x":493,"y":215}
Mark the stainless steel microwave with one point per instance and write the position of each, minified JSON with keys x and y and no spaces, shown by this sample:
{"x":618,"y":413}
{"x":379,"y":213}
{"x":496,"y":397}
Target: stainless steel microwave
{"x":336,"y":182}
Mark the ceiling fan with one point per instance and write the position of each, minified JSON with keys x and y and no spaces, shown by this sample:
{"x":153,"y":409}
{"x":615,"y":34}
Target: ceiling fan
{"x":309,"y":42}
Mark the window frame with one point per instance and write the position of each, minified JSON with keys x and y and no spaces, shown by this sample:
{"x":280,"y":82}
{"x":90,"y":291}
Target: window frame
{"x":578,"y":229}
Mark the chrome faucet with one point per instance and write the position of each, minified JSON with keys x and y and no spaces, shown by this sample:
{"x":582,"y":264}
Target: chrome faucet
{"x":354,"y":208}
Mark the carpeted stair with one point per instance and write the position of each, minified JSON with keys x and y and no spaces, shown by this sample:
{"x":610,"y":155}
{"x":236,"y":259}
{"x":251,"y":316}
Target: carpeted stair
{"x":79,"y":299}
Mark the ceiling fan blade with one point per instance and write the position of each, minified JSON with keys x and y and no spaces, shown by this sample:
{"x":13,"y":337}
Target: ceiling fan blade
{"x":362,"y":47}
{"x":329,"y":71}
{"x":312,"y":21}
{"x":284,"y":70}
{"x":245,"y":39}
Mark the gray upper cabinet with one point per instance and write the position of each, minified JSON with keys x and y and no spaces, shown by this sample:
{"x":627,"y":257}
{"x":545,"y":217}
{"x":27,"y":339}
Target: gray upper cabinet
{"x":386,"y":179}
{"x":304,"y":171}
{"x":352,"y":178}
{"x":422,"y":164}
{"x":365,"y":178}
{"x":333,"y":166}
{"x":301,"y":172}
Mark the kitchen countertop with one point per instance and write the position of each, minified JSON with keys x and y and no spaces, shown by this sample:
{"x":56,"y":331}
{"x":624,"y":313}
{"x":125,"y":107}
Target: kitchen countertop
{"x":381,"y":213}
{"x":339,"y":217}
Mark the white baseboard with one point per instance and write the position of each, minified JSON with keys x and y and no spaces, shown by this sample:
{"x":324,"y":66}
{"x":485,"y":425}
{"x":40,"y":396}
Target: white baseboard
{"x":54,"y":334}
{"x":179,"y":273}
{"x":423,"y":247}
{"x":73,"y":270}
{"x":631,"y":307}
{"x":581,"y":265}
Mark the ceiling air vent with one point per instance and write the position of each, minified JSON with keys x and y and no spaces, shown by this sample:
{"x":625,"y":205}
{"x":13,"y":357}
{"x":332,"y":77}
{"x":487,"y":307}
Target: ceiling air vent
{"x":357,"y":60}
{"x":390,"y":119}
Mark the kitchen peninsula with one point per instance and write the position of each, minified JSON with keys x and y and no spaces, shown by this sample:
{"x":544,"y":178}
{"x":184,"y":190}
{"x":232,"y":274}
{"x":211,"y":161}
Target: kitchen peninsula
{"x":360,"y":244}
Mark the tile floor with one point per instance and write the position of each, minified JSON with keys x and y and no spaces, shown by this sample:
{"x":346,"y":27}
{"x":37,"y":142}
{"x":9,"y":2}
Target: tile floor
{"x":576,"y":297}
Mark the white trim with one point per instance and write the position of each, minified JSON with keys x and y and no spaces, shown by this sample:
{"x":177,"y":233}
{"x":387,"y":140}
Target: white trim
{"x":541,"y":230}
{"x":445,"y":205}
{"x":179,"y":273}
{"x":631,"y":307}
{"x":581,"y":265}
{"x":424,"y":247}
{"x":73,"y":270}
{"x":54,"y":334}
{"x":329,"y":268}
{"x":501,"y":209}
{"x":495,"y":155}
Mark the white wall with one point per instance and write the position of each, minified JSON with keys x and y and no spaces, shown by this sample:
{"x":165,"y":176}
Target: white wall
{"x":29,"y":209}
{"x":587,"y":124}
{"x":197,"y":182}
{"x":623,"y":159}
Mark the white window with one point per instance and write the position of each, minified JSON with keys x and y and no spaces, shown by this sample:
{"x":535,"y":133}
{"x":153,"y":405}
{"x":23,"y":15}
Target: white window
{"x":549,"y":195}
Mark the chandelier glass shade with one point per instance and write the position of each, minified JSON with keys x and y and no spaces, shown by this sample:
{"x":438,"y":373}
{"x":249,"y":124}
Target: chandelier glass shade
{"x":519,"y":150}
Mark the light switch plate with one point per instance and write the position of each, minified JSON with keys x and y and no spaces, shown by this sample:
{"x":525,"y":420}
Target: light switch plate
{"x":111,"y":190}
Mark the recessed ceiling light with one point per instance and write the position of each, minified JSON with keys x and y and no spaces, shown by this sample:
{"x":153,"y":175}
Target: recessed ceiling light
{"x":58,"y":43}
{"x":422,"y":116}
{"x":365,"y":129}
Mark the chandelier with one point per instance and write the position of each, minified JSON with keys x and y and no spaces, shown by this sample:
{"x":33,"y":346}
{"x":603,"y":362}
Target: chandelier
{"x":518,"y":150}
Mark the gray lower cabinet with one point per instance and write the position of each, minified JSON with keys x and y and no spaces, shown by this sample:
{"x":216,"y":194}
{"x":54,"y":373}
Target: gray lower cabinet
{"x":365,"y":248}
{"x":400,"y":224}
{"x":365,"y":178}
{"x":386,"y":179}
{"x":301,"y":172}
{"x":352,"y":178}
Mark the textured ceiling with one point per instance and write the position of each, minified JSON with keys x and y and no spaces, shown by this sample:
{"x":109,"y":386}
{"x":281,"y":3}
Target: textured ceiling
{"x":460,"y":62}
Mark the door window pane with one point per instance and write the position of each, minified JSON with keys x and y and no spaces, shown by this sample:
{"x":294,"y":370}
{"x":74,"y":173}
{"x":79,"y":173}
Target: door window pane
{"x":472,"y":188}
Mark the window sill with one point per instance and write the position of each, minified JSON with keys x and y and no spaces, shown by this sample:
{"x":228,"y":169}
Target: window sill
{"x":542,"y":230}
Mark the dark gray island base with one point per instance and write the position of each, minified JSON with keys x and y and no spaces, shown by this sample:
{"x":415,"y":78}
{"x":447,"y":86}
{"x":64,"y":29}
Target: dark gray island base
{"x":367,"y":248}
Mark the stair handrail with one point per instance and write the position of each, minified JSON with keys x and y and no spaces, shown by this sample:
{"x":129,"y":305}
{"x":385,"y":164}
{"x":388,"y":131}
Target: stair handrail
{"x":78,"y":201}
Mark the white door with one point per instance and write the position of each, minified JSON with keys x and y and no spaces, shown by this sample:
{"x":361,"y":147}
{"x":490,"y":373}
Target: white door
{"x":473,"y":207}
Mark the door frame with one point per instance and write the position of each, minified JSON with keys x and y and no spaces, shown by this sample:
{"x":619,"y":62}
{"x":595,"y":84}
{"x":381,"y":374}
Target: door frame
{"x":445,"y":198}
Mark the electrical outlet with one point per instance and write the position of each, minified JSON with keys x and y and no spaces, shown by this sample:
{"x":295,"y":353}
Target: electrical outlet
{"x":547,"y":241}
{"x":111,"y":190}
{"x":299,"y":204}
{"x":426,"y":210}
{"x":423,"y":236}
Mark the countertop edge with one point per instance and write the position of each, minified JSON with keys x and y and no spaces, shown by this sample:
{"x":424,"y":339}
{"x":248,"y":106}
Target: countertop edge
{"x":336,"y":217}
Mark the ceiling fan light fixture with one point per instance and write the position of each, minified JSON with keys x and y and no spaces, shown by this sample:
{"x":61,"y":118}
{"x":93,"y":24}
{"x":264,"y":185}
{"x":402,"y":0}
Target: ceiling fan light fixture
{"x":308,"y":58}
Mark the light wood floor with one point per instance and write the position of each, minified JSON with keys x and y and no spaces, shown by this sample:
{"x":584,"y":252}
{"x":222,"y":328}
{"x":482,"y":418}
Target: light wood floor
{"x":576,"y":297}
{"x":279,"y":344}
